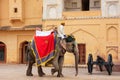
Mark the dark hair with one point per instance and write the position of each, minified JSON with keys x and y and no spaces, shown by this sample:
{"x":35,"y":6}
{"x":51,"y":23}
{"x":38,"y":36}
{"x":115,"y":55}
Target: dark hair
{"x":63,"y":24}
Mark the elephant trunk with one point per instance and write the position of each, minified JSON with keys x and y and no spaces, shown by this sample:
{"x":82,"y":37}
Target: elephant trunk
{"x":76,"y":64}
{"x":76,"y":59}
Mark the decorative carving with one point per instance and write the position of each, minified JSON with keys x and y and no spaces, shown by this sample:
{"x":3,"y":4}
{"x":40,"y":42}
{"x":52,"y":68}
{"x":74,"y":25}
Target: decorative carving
{"x":112,"y":7}
{"x":112,"y":10}
{"x":52,"y":11}
{"x":114,"y":51}
{"x":112,"y":34}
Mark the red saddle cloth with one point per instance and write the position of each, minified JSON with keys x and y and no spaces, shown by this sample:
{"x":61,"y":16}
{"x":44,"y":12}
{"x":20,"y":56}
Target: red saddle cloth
{"x":43,"y":47}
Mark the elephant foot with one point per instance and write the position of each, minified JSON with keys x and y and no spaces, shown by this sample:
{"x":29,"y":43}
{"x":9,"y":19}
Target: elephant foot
{"x":60,"y":75}
{"x":41,"y":74}
{"x":29,"y":74}
{"x":53,"y":71}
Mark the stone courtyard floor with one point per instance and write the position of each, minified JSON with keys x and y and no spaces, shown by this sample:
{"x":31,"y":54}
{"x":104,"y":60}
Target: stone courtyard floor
{"x":18,"y":72}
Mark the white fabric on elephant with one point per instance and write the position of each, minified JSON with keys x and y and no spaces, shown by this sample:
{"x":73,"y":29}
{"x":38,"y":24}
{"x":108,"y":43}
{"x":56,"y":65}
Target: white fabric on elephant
{"x":43,"y":33}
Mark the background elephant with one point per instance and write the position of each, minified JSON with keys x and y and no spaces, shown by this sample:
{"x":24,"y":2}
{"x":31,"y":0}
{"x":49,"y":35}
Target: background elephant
{"x":57,"y":61}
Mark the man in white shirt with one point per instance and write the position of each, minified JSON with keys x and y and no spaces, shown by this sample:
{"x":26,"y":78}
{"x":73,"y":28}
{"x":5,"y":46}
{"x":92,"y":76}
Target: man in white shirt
{"x":61,"y":35}
{"x":60,"y":30}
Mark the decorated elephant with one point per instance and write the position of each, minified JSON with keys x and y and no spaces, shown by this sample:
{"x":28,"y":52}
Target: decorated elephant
{"x":57,"y":61}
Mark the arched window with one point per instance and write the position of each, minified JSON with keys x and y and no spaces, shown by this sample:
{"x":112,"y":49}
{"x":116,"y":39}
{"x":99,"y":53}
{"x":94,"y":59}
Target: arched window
{"x":112,"y":10}
{"x":112,"y":34}
{"x":52,"y":13}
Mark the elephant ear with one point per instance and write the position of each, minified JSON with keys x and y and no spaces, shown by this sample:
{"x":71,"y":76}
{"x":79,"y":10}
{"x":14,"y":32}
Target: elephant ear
{"x":70,"y":38}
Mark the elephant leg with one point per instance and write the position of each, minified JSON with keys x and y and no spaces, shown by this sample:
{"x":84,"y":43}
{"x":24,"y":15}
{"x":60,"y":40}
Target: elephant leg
{"x":29,"y":69}
{"x":53,"y":71}
{"x":60,"y":62}
{"x":56,"y":67}
{"x":100,"y":67}
{"x":40,"y":71}
{"x":55,"y":64}
{"x":31,"y":60}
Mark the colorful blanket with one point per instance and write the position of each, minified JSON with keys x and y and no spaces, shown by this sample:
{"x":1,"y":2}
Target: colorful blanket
{"x":43,"y":48}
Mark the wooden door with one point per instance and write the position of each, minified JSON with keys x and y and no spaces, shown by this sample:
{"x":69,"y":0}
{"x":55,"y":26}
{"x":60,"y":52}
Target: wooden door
{"x":82,"y":53}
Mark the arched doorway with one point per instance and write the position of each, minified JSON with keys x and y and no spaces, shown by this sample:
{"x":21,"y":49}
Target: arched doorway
{"x":23,"y":54}
{"x":87,"y":43}
{"x":2,"y":52}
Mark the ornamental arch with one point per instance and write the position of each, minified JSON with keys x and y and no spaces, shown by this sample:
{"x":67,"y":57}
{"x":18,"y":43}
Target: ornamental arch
{"x":112,"y":10}
{"x":52,"y":13}
{"x":114,"y":51}
{"x":112,"y":34}
{"x":23,"y":55}
{"x":112,"y":39}
{"x":90,"y":42}
{"x":87,"y":43}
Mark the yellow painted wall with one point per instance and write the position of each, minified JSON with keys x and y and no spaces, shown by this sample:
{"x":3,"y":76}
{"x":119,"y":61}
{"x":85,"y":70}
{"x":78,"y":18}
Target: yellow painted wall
{"x":31,"y":13}
{"x":20,"y":39}
{"x":4,"y":18}
{"x":12,"y":40}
